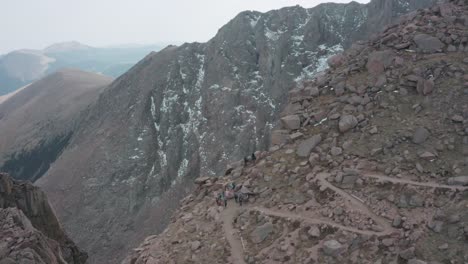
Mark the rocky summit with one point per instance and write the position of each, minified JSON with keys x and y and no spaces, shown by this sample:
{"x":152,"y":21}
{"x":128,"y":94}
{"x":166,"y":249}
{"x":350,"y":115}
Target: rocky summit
{"x":190,"y":110}
{"x":29,"y":230}
{"x":387,"y":181}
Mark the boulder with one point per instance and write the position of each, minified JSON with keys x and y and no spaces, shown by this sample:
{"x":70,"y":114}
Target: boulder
{"x":201,"y":180}
{"x":261,"y":233}
{"x":314,"y":91}
{"x":291,"y":122}
{"x":314,"y":232}
{"x":407,"y":253}
{"x":336,"y":151}
{"x":427,"y":155}
{"x":347,"y":123}
{"x":296,"y":135}
{"x":336,"y":61}
{"x":306,"y":146}
{"x":459,"y":180}
{"x":420,"y":135}
{"x":428,"y":43}
{"x":378,"y":61}
{"x":425,"y":87}
{"x":279,"y":137}
{"x":195,"y":245}
{"x":457,"y":119}
{"x":332,"y":248}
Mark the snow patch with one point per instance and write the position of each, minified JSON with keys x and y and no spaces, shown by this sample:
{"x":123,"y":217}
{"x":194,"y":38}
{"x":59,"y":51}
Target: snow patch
{"x":254,"y":20}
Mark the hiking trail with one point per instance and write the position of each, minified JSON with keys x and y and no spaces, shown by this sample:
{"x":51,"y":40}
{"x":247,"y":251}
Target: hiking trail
{"x":237,"y":251}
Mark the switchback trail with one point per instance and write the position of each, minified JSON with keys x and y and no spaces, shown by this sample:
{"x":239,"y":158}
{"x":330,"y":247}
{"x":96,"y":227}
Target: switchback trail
{"x":415,"y":183}
{"x":237,"y":249}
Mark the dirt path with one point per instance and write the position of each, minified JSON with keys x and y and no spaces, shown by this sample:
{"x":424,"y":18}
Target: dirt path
{"x":237,"y":249}
{"x":317,"y":221}
{"x":228,"y":216}
{"x":356,"y":204}
{"x":415,"y":183}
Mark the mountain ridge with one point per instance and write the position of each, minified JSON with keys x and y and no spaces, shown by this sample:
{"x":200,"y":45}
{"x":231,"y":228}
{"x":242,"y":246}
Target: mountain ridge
{"x":370,"y":164}
{"x":187,"y":111}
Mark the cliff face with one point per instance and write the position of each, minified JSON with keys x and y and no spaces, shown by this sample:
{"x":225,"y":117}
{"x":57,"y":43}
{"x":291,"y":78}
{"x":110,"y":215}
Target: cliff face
{"x":29,"y":229}
{"x":370,"y":164}
{"x":190,"y":110}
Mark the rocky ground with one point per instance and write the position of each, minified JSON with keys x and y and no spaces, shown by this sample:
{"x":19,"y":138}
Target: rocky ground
{"x":29,"y":231}
{"x":371,"y":165}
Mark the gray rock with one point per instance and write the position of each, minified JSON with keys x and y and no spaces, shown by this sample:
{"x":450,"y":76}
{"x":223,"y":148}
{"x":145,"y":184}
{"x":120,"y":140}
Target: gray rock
{"x":194,"y":245}
{"x":261,"y":233}
{"x":291,"y":122}
{"x":428,"y":43}
{"x":314,"y":159}
{"x":427,"y":155}
{"x":459,"y":180}
{"x":314,"y":232}
{"x":425,"y":87}
{"x":336,"y":151}
{"x":336,"y":61}
{"x":407,"y":253}
{"x":279,"y":137}
{"x":296,"y":135}
{"x":347,"y":123}
{"x":379,"y":60}
{"x":349,"y":180}
{"x":451,"y":48}
{"x":436,"y":226}
{"x":416,"y":261}
{"x":314,"y":91}
{"x":420,"y":135}
{"x":332,"y":248}
{"x":306,"y":146}
{"x":397,"y":221}
{"x":457,"y":119}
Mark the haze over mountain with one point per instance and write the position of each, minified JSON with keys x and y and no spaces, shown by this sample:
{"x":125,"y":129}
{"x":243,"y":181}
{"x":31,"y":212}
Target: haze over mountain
{"x":188,"y":111}
{"x":21,"y":67}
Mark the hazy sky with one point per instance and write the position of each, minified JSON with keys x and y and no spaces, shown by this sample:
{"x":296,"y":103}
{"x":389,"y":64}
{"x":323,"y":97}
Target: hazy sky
{"x":39,"y":23}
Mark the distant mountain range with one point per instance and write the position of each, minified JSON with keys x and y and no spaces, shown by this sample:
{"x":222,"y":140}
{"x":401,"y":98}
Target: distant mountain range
{"x":21,"y":67}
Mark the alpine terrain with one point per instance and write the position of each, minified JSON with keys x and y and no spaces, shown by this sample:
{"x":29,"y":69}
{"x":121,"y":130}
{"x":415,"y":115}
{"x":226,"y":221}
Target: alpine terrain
{"x":188,"y":111}
{"x":370,"y":164}
{"x":29,"y":229}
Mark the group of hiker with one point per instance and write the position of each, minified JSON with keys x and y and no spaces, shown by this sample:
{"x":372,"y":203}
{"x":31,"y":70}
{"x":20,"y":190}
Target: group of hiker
{"x":231,"y":190}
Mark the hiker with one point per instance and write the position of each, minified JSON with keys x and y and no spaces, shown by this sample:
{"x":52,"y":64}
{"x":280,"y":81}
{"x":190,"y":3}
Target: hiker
{"x":225,"y":201}
{"x":240,"y":198}
{"x":246,"y":161}
{"x":228,"y":172}
{"x":219,"y":198}
{"x":231,"y":186}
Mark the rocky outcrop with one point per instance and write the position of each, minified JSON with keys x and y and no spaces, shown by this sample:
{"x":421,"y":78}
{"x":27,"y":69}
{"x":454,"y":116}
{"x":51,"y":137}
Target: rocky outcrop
{"x":191,"y":110}
{"x":29,"y":229}
{"x":391,"y":188}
